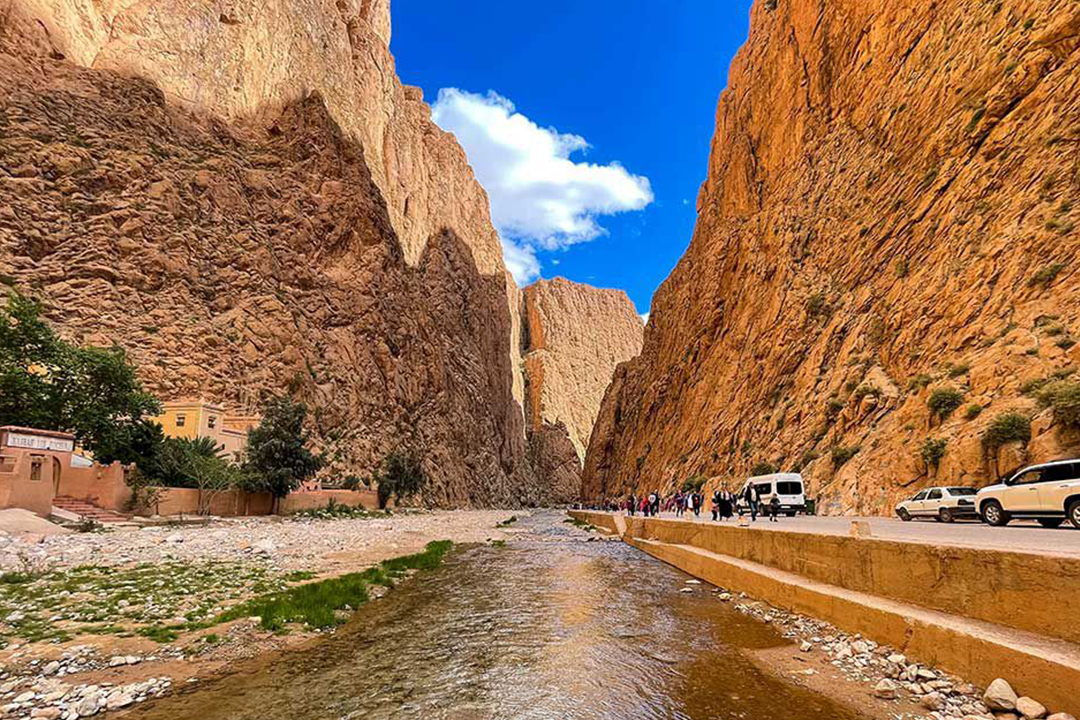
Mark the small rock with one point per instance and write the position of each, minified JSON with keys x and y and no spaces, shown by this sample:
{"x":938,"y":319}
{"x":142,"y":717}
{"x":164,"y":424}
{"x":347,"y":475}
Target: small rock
{"x":933,"y":701}
{"x":174,"y":539}
{"x":886,"y":690}
{"x":806,"y":646}
{"x":1000,"y":696}
{"x":1061,"y":716}
{"x":1030,"y":709}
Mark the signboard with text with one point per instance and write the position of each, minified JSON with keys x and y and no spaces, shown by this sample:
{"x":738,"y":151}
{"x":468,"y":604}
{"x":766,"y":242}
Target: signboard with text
{"x":38,"y":442}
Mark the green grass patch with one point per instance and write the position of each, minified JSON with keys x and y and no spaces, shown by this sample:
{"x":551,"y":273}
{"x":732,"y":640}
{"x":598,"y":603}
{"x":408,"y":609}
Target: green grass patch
{"x":322,"y":604}
{"x":583,"y":525}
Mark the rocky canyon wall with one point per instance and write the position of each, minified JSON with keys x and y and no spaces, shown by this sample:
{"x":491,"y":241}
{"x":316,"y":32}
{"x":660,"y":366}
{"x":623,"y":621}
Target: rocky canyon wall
{"x":574,"y":337}
{"x":889,"y":221}
{"x":245,"y":197}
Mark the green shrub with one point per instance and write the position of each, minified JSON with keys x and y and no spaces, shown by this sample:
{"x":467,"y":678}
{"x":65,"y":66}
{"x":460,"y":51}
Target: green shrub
{"x":841,"y":455}
{"x":901,"y":268}
{"x":1063,"y":396}
{"x":864,"y":390}
{"x":762,"y":468}
{"x":1065,"y":342}
{"x":817,"y":305}
{"x":1046,"y":276}
{"x":401,"y":476}
{"x":1006,"y":428}
{"x":919,"y":382}
{"x":833,"y":408}
{"x":1033,"y":386}
{"x":944,"y":400}
{"x":932,"y":451}
{"x":955,"y":371}
{"x":973,"y":411}
{"x":805,"y":459}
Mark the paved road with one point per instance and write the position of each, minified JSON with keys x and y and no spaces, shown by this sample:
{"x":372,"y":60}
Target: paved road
{"x":1018,"y":536}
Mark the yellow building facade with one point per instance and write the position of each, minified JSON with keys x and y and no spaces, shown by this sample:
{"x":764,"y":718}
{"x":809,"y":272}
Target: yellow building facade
{"x":199,"y":418}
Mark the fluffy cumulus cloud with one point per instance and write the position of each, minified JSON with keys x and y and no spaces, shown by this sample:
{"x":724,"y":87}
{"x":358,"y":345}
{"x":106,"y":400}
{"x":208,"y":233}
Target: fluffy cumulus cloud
{"x":541,"y":198}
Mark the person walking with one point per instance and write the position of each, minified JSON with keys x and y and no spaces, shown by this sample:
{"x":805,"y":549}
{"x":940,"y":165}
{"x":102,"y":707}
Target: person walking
{"x":774,"y":507}
{"x":695,"y":502}
{"x":726,"y":503}
{"x":752,"y":498}
{"x":656,"y":503}
{"x":716,"y":506}
{"x":631,"y":505}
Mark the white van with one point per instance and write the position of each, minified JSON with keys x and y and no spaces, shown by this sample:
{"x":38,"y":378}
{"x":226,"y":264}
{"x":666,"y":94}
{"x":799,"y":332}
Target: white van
{"x":789,"y":486}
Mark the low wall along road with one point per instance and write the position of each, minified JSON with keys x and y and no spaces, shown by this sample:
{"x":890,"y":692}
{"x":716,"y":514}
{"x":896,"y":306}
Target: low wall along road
{"x":979,"y":613}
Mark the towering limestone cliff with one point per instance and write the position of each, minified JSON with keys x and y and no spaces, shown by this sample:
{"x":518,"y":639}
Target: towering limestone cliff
{"x":889,"y":223}
{"x":575,"y":336}
{"x":246,"y":198}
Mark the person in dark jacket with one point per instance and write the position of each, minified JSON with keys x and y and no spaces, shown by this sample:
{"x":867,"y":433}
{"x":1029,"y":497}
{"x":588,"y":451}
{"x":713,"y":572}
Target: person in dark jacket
{"x":774,"y":507}
{"x":753,"y":499}
{"x":631,"y":505}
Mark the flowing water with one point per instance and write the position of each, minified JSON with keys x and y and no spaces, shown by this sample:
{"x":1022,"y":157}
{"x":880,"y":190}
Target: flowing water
{"x":549,"y":626}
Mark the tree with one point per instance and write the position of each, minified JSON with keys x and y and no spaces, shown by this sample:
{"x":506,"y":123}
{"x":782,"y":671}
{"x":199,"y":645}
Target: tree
{"x":277,"y":450}
{"x":48,"y":383}
{"x":401,"y":476}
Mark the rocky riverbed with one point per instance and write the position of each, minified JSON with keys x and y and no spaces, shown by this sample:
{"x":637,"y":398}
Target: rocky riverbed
{"x":93,"y":622}
{"x":913,"y":691}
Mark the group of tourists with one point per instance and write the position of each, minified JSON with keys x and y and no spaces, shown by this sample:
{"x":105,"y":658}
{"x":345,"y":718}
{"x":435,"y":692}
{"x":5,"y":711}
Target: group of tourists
{"x":647,"y":505}
{"x":724,"y":504}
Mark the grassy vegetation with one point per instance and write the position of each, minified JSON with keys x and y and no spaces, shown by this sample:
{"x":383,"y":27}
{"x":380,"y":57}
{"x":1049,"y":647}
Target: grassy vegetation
{"x":326,"y":604}
{"x":973,"y":411}
{"x":841,"y":455}
{"x":155,"y":600}
{"x":1063,"y":397}
{"x":1046,"y":276}
{"x":335,"y":510}
{"x":944,"y":400}
{"x":919,"y":382}
{"x":955,"y":371}
{"x":1006,"y":428}
{"x":932,"y":451}
{"x":586,"y":526}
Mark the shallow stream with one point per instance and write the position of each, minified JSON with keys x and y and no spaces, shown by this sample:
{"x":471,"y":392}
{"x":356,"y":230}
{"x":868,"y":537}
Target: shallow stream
{"x":549,"y":626}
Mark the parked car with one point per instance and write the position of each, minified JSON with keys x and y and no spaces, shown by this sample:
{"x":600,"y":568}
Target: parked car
{"x":789,"y":486}
{"x":1049,"y":493}
{"x":944,"y":504}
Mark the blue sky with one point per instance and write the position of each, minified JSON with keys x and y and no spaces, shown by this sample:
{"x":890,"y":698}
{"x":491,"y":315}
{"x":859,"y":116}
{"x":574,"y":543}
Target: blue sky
{"x":588,"y":122}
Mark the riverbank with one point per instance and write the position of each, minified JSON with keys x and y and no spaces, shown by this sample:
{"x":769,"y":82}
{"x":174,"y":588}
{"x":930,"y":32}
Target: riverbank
{"x":95,"y":621}
{"x":906,"y":612}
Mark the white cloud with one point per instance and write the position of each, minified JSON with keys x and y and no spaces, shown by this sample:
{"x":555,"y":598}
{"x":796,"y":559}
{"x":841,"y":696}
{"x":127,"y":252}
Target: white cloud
{"x":541,"y":199}
{"x":645,"y":318}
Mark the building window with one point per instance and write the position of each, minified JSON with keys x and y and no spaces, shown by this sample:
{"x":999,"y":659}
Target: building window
{"x":211,"y":422}
{"x":36,"y":462}
{"x":180,"y":420}
{"x":7,"y":464}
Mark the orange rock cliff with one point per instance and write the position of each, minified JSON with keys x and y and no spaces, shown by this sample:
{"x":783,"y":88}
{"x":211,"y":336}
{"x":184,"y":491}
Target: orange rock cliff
{"x":248,"y":200}
{"x":888,"y":229}
{"x":574,"y":337}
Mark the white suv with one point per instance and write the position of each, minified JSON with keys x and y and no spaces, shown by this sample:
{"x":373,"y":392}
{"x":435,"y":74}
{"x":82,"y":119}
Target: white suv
{"x":1049,"y":493}
{"x":944,"y":504}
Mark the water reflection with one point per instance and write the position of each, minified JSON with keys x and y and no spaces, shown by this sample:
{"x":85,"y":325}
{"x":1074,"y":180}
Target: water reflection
{"x":549,"y":626}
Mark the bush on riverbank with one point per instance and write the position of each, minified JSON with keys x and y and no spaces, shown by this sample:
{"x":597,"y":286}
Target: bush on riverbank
{"x":321,"y":604}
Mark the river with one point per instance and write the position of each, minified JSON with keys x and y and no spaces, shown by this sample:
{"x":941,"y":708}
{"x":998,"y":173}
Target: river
{"x":548,"y":626}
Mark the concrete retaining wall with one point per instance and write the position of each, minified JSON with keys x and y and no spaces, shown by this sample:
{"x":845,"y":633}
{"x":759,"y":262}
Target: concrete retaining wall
{"x":1018,"y":590}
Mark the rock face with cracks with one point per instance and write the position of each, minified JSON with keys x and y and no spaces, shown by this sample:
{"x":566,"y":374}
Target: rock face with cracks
{"x":574,"y":337}
{"x":891,"y":209}
{"x":180,"y":180}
